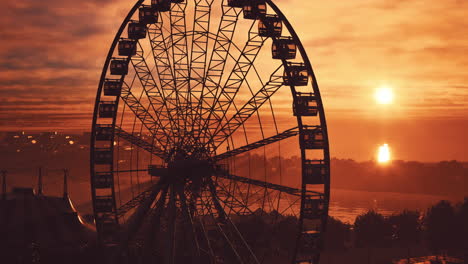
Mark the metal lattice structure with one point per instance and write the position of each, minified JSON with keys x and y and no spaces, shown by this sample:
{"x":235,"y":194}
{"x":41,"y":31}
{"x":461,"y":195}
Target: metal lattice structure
{"x":209,"y":142}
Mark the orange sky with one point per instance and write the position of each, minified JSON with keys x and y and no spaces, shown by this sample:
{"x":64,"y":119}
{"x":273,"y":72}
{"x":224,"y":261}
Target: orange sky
{"x":52,"y":52}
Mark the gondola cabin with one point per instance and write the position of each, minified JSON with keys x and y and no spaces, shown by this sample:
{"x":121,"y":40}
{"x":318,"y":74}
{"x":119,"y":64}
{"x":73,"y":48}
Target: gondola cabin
{"x":296,"y":74}
{"x":104,"y":132}
{"x":112,"y":87}
{"x":313,"y":208}
{"x":305,"y":105}
{"x":107,"y":109}
{"x":136,"y":30}
{"x":314,"y":172}
{"x":254,"y":9}
{"x":108,"y":227}
{"x":310,"y":243}
{"x":104,"y":204}
{"x":270,"y":26}
{"x":312,"y":138}
{"x":118,"y":67}
{"x":161,"y":5}
{"x":236,"y":3}
{"x":103,"y":180}
{"x":147,"y":14}
{"x":103,"y":156}
{"x":127,"y":47}
{"x":284,"y":48}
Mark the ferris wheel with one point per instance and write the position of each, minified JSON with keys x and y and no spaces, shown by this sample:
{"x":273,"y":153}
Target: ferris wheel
{"x":209,"y":142}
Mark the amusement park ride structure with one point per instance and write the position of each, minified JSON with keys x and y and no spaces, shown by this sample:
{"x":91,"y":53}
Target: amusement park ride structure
{"x":174,"y":106}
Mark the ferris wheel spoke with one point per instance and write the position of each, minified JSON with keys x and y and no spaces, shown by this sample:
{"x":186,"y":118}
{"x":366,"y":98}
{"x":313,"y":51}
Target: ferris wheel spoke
{"x":142,"y":113}
{"x":248,"y":109}
{"x":199,"y":51}
{"x":139,"y":142}
{"x":235,"y":237}
{"x":227,"y":92}
{"x":171,"y":227}
{"x":154,"y":226}
{"x":161,"y":47}
{"x":152,"y":91}
{"x":179,"y":43}
{"x":134,"y":202}
{"x":253,"y":65}
{"x":258,"y":144}
{"x":217,"y":62}
{"x":180,"y":60}
{"x":231,"y":201}
{"x":265,"y":184}
{"x":217,"y":216}
{"x":135,"y":220}
{"x":189,"y":224}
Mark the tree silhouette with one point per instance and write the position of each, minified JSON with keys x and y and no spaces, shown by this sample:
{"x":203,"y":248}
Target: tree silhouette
{"x":440,"y":227}
{"x":462,"y":226}
{"x":337,"y":235}
{"x":371,"y":230}
{"x":406,"y":229}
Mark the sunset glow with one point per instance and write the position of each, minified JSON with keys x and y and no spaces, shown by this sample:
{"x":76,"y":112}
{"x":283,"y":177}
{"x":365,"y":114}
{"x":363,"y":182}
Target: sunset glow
{"x":384,"y":95}
{"x":383,"y":154}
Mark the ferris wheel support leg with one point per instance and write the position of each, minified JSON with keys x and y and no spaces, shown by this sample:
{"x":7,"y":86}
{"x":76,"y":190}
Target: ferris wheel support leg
{"x":171,"y":228}
{"x":241,"y":241}
{"x":191,"y":229}
{"x":134,"y":222}
{"x":150,"y":245}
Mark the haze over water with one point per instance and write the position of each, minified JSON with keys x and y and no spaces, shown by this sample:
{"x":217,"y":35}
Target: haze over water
{"x":345,"y":205}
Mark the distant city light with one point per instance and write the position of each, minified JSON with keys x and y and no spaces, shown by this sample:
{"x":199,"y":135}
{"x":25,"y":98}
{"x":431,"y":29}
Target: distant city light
{"x":383,"y":155}
{"x":71,"y":142}
{"x":34,"y":141}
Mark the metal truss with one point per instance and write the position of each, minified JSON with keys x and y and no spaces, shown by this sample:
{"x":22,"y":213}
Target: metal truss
{"x":227,"y":92}
{"x":137,"y":141}
{"x":199,"y":51}
{"x":161,"y":56}
{"x":231,"y":201}
{"x":217,"y":63}
{"x":180,"y":63}
{"x":142,"y":113}
{"x":136,"y":201}
{"x":161,"y":47}
{"x":248,"y":109}
{"x":285,"y":134}
{"x":265,"y":184}
{"x":164,"y":121}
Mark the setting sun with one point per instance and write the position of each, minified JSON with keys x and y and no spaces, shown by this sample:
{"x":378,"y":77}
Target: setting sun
{"x":383,"y":154}
{"x":384,"y":95}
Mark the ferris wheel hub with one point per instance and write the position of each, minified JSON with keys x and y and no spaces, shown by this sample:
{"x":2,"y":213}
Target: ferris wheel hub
{"x":189,"y":169}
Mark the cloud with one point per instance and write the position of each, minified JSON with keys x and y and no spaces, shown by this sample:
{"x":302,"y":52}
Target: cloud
{"x":55,"y":50}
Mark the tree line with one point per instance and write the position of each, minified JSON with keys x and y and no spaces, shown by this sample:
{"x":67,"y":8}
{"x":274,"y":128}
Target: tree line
{"x":442,"y":229}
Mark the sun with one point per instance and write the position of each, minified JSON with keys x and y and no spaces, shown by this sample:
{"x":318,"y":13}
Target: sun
{"x":384,"y":95}
{"x":383,"y":155}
